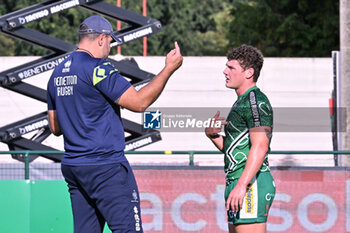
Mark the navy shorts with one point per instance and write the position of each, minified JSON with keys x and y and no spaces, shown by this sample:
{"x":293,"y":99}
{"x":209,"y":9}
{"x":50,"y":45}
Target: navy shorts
{"x":104,"y":193}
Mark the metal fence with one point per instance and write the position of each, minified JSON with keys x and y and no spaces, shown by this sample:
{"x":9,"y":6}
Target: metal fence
{"x":40,"y":171}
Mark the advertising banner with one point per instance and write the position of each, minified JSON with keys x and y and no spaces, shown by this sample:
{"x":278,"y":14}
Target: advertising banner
{"x":185,"y":200}
{"x":179,"y":200}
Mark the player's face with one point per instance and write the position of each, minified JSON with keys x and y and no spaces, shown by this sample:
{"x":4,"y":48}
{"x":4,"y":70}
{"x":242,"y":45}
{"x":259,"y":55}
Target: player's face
{"x":234,"y":74}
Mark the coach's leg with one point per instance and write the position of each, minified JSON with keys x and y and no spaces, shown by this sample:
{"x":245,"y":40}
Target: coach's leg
{"x":86,"y":218}
{"x":118,"y":198}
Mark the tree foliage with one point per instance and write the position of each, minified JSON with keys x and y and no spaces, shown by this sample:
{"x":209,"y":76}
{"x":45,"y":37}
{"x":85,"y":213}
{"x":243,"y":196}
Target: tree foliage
{"x":63,"y":25}
{"x":287,"y":28}
{"x":283,"y":28}
{"x":182,"y":21}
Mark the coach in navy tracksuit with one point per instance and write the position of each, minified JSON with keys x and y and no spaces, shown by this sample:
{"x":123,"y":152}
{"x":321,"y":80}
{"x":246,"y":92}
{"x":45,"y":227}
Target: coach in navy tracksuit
{"x":85,"y":93}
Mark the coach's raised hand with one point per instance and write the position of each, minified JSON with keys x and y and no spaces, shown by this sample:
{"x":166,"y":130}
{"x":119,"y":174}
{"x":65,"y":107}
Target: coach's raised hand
{"x":139,"y":101}
{"x":174,"y":59}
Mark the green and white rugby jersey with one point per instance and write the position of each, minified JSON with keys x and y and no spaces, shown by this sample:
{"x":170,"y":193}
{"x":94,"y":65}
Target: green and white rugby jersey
{"x":252,"y":109}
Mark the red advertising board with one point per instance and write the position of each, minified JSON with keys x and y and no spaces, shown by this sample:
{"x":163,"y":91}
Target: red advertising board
{"x":191,"y":200}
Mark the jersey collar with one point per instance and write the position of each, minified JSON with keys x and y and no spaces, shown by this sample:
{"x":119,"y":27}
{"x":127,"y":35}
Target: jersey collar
{"x":247,"y":91}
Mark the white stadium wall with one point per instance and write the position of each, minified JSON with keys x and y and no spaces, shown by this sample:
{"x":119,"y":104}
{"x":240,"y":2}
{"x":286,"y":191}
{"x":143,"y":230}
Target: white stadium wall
{"x":288,"y":82}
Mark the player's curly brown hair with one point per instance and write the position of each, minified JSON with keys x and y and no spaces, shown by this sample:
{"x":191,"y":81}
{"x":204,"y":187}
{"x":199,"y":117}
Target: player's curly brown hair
{"x":248,"y":57}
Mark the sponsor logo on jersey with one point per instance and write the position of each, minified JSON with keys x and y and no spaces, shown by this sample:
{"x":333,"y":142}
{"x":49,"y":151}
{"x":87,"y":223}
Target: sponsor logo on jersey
{"x":152,"y":119}
{"x":67,"y":66}
{"x":65,"y":85}
{"x":232,"y":214}
{"x":268,"y":196}
{"x":249,"y":201}
{"x":101,"y":72}
{"x":254,"y":109}
{"x":134,"y":196}
{"x":267,"y":210}
{"x":265,"y":108}
{"x":137,"y":219}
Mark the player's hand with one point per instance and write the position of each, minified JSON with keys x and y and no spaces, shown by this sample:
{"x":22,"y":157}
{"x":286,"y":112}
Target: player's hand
{"x":235,"y":199}
{"x":174,"y":58}
{"x":215,"y":125}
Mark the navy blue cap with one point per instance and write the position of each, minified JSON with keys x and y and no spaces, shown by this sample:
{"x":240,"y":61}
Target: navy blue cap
{"x":98,"y":24}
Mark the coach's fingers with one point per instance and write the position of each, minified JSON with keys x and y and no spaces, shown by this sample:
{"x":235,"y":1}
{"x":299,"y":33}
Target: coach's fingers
{"x":177,"y":47}
{"x":171,"y":52}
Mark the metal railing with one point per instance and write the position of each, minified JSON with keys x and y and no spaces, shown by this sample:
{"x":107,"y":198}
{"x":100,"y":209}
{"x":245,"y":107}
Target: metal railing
{"x":191,"y":154}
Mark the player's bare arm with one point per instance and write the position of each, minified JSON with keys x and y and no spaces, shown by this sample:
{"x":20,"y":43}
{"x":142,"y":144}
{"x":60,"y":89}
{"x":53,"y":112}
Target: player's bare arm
{"x":53,"y":123}
{"x":260,"y":138}
{"x":139,"y":101}
{"x":213,"y":131}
